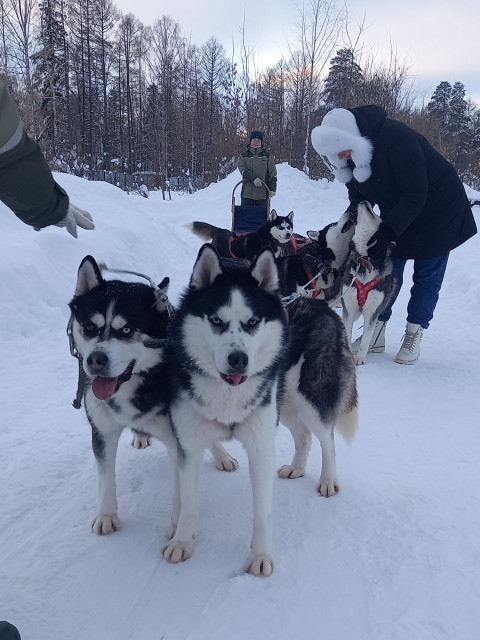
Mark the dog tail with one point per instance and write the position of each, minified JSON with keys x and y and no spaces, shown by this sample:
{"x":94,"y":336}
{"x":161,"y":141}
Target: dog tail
{"x":347,"y":424}
{"x":204,"y":230}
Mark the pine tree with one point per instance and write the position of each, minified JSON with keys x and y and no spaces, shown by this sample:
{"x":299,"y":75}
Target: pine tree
{"x":49,"y":75}
{"x":343,"y":82}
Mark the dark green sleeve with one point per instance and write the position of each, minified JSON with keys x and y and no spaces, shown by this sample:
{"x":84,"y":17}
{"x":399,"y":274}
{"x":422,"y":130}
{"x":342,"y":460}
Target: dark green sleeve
{"x":27,"y":186}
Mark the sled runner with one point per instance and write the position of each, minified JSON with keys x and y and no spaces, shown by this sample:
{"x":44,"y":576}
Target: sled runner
{"x":247,"y":219}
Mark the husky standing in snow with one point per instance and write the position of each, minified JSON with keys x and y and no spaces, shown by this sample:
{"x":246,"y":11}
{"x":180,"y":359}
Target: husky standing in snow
{"x":119,"y":331}
{"x":235,"y":366}
{"x":367,"y":286}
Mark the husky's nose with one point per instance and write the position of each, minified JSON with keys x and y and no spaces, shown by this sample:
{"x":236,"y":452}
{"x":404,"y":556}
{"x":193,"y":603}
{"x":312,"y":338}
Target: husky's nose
{"x":97,"y":360}
{"x":238,"y":361}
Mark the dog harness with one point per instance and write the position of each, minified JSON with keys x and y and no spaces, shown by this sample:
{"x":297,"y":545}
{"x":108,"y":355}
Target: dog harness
{"x":364,"y":289}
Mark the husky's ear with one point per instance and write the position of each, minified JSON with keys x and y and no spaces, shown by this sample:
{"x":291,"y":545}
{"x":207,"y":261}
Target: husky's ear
{"x":265,"y":272}
{"x":206,"y":269}
{"x":273,"y":214}
{"x":313,"y":235}
{"x":290,"y":217}
{"x":89,"y":276}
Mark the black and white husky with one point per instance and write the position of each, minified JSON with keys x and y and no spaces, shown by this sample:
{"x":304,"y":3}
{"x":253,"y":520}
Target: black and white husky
{"x":367,"y":285}
{"x":275,"y":233}
{"x":232,"y":358}
{"x":317,"y":266}
{"x":119,"y":330}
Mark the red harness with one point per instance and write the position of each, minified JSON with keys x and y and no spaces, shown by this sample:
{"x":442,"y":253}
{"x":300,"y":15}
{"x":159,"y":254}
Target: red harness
{"x":315,"y":292}
{"x":364,"y":289}
{"x":298,"y":242}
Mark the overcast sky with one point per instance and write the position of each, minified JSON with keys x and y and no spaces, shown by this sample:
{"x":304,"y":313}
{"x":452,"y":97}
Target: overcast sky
{"x":439,"y":39}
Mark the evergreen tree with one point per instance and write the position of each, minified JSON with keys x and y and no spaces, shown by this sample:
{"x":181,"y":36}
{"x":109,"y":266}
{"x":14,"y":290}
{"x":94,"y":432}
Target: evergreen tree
{"x":343,"y":82}
{"x":49,"y":75}
{"x":439,"y":105}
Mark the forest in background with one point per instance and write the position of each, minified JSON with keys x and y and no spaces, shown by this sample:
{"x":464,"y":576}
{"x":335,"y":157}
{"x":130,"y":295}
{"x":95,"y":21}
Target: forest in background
{"x":110,"y":98}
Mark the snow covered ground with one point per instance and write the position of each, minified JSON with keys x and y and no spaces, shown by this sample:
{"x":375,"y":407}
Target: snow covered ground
{"x":395,"y":555}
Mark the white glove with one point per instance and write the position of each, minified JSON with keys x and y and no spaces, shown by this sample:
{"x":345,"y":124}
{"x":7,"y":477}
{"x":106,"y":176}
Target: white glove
{"x":74,"y":217}
{"x":271,"y":193}
{"x":257,"y":182}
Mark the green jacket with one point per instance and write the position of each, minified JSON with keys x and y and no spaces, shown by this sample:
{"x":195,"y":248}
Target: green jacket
{"x":257,"y":163}
{"x":27,"y":186}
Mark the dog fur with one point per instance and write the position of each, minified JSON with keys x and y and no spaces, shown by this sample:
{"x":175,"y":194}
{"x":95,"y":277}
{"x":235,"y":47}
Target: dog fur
{"x":360,"y":271}
{"x":275,"y":233}
{"x":235,"y":363}
{"x":119,"y":330}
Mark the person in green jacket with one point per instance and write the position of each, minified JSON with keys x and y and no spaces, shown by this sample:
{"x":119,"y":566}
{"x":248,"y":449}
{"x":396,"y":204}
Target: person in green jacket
{"x":257,"y":165}
{"x":27,"y":186}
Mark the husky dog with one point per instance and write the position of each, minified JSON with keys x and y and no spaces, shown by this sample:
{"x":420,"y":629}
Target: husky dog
{"x":276,"y":232}
{"x":316,"y":267}
{"x":119,"y":330}
{"x":367,"y":285}
{"x":320,"y":388}
{"x":231,"y":358}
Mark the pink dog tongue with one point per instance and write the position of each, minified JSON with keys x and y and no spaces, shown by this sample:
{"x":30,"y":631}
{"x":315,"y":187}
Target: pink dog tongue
{"x":234,"y":379}
{"x":104,"y":388}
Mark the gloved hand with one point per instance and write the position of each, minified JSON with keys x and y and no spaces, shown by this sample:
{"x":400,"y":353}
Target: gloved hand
{"x":74,"y":217}
{"x":257,"y":182}
{"x":379,"y":242}
{"x":271,"y":193}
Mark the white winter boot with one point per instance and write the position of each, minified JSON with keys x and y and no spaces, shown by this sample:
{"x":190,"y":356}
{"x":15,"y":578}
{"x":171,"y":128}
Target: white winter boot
{"x":377,"y":341}
{"x":410,"y":349}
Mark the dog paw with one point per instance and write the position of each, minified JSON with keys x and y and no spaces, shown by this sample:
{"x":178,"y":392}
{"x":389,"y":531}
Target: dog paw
{"x":140,"y":441}
{"x":359,"y":361}
{"x":103,"y":524}
{"x":177,"y":551}
{"x":290,"y":472}
{"x":260,"y":565}
{"x":328,"y":487}
{"x":226,"y":463}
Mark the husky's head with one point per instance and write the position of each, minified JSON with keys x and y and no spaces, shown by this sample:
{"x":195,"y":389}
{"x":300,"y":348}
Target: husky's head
{"x":231,"y":320}
{"x":335,"y":238}
{"x":118,"y":327}
{"x":281,"y":227}
{"x":367,"y":224}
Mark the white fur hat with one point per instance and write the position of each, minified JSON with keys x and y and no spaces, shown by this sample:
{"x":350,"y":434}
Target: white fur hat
{"x":339,"y":132}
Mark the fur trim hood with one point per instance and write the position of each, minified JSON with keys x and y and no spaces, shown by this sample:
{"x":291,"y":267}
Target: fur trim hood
{"x":338,"y":132}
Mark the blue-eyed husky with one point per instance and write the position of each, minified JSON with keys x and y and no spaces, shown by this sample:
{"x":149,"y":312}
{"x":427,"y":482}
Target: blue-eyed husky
{"x":237,"y":364}
{"x":119,"y":331}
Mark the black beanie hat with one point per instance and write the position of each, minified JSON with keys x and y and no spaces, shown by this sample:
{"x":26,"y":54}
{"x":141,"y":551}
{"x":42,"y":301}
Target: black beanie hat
{"x":257,"y":134}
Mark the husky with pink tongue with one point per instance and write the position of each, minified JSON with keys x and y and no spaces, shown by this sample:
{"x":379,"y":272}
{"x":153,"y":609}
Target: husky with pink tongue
{"x":237,"y":367}
{"x":119,"y":330}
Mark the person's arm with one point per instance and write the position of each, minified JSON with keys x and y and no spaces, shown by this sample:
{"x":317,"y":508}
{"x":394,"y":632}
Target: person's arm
{"x":271,"y":177}
{"x":27,"y":186}
{"x":242,"y":167}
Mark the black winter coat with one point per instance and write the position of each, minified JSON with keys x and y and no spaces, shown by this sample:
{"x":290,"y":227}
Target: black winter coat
{"x":419,"y":194}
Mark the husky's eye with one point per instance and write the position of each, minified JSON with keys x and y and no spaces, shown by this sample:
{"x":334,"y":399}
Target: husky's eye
{"x":126,"y":330}
{"x":215,"y":320}
{"x":90,"y":328}
{"x":253,"y":322}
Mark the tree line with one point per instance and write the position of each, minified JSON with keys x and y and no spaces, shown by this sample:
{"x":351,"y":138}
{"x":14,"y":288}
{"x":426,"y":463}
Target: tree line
{"x":105,"y":94}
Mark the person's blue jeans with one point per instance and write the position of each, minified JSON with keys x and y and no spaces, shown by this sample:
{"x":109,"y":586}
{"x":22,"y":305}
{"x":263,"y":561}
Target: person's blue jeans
{"x":427,"y":282}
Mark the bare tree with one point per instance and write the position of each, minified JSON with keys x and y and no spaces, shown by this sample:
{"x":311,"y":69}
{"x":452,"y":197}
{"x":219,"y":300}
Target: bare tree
{"x":318,"y":32}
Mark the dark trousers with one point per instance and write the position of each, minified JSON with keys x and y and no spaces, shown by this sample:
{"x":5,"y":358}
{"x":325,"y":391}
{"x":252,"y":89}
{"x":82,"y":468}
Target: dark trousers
{"x":427,"y":282}
{"x":250,"y":202}
{"x":8,"y":631}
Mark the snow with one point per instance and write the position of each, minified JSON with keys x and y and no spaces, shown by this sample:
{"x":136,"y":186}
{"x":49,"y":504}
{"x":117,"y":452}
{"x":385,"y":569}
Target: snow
{"x":395,"y":555}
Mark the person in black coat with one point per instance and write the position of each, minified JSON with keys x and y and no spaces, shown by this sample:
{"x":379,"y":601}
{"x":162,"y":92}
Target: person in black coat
{"x":422,"y":202}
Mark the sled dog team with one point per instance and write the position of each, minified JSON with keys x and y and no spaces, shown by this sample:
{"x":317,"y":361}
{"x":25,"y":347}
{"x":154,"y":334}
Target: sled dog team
{"x":230,"y":361}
